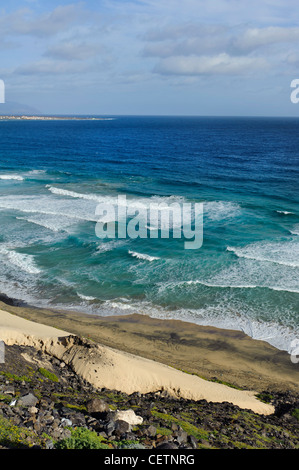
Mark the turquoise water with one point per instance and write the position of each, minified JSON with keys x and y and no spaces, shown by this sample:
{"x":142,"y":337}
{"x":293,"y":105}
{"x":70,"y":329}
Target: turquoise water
{"x":53,"y":175}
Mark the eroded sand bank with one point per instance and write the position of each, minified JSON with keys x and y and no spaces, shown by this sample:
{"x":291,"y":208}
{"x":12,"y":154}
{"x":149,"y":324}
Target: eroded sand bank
{"x":106,"y":367}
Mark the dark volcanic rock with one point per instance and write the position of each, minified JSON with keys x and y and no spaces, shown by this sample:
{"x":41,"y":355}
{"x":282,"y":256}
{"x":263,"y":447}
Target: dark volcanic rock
{"x":97,"y":406}
{"x":27,"y":400}
{"x":48,"y":411}
{"x":167,"y":445}
{"x":121,"y":427}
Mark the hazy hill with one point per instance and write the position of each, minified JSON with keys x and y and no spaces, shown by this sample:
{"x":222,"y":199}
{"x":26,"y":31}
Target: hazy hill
{"x":12,"y":108}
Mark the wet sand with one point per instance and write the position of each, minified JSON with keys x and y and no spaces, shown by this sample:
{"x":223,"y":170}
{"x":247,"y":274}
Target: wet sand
{"x":211,"y":353}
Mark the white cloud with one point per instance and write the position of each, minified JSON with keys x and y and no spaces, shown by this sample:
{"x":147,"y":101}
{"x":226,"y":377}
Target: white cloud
{"x":187,"y":39}
{"x":50,"y":67}
{"x":73,"y":51}
{"x":221,"y":64}
{"x":25,"y":22}
{"x":145,"y":46}
{"x":254,"y":38}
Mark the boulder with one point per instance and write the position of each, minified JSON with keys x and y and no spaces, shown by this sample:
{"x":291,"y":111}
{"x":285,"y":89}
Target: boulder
{"x":129,"y":416}
{"x":27,"y":400}
{"x":181,"y":437}
{"x":121,"y":427}
{"x":193,"y":442}
{"x":167,"y":445}
{"x":110,"y":428}
{"x":151,"y":431}
{"x":96,"y":405}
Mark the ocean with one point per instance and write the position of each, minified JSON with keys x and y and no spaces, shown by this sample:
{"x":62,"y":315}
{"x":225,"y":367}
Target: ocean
{"x":244,"y":172}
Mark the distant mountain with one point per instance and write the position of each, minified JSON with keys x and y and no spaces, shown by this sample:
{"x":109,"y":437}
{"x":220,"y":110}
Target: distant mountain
{"x":11,"y":108}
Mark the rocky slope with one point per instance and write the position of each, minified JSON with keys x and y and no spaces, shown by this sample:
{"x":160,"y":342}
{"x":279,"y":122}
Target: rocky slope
{"x":45,"y":405}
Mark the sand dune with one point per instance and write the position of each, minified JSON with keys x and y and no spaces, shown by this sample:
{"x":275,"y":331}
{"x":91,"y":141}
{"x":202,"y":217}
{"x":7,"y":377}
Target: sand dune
{"x":106,"y":367}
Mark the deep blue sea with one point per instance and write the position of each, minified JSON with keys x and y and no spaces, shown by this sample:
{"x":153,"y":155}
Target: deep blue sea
{"x":245,"y":171}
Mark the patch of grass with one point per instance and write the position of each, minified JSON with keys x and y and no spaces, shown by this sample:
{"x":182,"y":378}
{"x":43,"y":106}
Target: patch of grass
{"x":265,"y":397}
{"x":211,"y":380}
{"x":185,"y":425}
{"x":12,"y":436}
{"x":82,"y":438}
{"x":164,"y":431}
{"x":295,"y":413}
{"x":5,"y":398}
{"x":37,"y":393}
{"x":48,"y":375}
{"x":113,"y":397}
{"x":127,"y":444}
{"x":75,"y":407}
{"x":14,"y":377}
{"x":227,"y":384}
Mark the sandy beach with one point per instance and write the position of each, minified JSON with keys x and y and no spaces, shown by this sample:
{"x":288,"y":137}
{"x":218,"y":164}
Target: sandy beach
{"x":138,"y":353}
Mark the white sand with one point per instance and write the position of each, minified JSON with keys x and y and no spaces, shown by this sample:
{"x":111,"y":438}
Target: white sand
{"x":106,"y":367}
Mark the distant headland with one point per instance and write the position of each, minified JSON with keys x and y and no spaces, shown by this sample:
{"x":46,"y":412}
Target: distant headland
{"x":50,"y":118}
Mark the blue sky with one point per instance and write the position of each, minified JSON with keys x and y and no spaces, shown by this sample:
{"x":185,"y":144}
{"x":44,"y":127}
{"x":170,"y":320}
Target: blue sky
{"x":157,"y":57}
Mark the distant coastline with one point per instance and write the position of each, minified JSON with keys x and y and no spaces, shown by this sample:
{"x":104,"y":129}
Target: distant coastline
{"x":49,"y":118}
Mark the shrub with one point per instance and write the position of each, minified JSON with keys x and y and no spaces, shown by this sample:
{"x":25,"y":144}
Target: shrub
{"x":82,"y":438}
{"x":295,"y":413}
{"x":48,"y":375}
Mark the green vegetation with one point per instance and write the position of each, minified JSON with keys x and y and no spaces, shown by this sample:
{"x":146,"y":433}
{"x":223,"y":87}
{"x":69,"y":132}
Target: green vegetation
{"x":164,"y":431}
{"x":214,"y":379}
{"x":75,"y":407}
{"x":185,"y":425}
{"x":129,"y":445}
{"x":82,"y":438}
{"x":48,"y":375}
{"x":295,"y":413}
{"x":265,"y":397}
{"x":16,"y":437}
{"x":5,"y":398}
{"x":13,"y":377}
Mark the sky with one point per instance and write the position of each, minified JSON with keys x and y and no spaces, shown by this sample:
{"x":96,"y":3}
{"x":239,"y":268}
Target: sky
{"x":151,"y":57}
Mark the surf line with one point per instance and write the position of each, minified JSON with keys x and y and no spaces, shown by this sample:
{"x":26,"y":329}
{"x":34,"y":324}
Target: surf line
{"x":177,"y":220}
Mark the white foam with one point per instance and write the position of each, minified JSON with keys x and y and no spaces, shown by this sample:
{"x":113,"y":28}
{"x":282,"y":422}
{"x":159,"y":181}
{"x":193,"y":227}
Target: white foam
{"x":82,"y":210}
{"x":243,"y":273}
{"x":174,"y":284}
{"x":73,"y":194}
{"x":109,"y":246}
{"x":86,"y":297}
{"x":169,"y":206}
{"x":141,"y":203}
{"x":222,"y":285}
{"x":295,"y":230}
{"x":285,"y":212}
{"x":37,"y":172}
{"x":283,"y":253}
{"x":221,"y":210}
{"x":249,"y":273}
{"x":226,"y":314}
{"x":143,"y":256}
{"x":11,"y":177}
{"x":53,"y":223}
{"x":21,"y":260}
{"x":119,"y":306}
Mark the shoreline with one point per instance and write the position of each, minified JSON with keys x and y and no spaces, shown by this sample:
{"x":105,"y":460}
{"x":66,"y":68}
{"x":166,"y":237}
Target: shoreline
{"x":108,"y":368}
{"x":225,"y":356}
{"x":48,"y":118}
